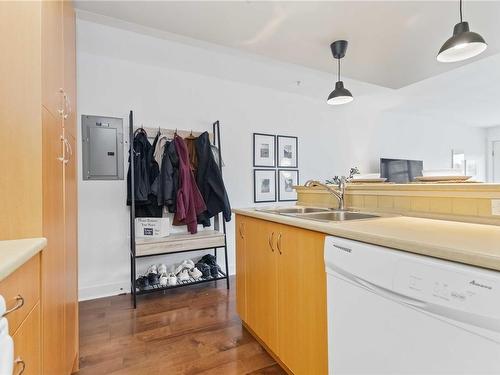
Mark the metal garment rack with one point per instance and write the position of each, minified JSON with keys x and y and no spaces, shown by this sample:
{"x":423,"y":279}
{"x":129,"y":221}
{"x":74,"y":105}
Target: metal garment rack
{"x":214,"y":239}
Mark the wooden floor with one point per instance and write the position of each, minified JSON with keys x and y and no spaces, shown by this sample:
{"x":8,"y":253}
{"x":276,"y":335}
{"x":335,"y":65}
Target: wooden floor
{"x":193,"y":330}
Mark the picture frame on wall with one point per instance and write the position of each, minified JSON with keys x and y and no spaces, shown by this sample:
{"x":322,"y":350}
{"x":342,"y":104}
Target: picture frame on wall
{"x":287,"y":151}
{"x":264,"y":150}
{"x":287,"y":179}
{"x":264,"y":185}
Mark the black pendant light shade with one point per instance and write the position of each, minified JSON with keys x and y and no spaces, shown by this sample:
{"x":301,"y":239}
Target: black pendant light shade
{"x":340,"y":95}
{"x":463,"y":45}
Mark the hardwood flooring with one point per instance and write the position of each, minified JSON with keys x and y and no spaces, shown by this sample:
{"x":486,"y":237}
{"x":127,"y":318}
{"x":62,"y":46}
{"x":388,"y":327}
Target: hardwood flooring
{"x":192,"y":330}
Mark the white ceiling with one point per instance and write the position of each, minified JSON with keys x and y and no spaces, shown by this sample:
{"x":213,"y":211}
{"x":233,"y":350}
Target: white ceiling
{"x":391,"y":43}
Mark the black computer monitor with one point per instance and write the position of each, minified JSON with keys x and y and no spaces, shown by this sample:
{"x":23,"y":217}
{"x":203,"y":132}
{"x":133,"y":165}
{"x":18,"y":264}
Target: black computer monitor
{"x":400,"y":171}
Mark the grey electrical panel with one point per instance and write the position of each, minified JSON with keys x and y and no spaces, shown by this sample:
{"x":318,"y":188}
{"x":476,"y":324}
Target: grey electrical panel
{"x":102,"y":148}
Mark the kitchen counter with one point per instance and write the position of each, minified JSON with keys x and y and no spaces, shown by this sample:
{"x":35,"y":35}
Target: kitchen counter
{"x":473,"y":244}
{"x":14,"y":253}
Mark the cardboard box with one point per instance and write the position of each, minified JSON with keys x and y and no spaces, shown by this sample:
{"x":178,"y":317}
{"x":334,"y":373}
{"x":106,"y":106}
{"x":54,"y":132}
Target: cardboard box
{"x":148,"y":227}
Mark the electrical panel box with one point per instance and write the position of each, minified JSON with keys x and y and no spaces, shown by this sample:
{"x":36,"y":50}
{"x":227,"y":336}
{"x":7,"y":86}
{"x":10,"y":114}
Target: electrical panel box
{"x":102,"y":148}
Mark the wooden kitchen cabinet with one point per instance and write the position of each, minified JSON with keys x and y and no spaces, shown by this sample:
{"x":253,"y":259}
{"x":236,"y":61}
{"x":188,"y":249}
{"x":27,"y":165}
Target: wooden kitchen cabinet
{"x":52,"y":56}
{"x":38,"y":124}
{"x":53,"y":261}
{"x":241,"y":299}
{"x":71,"y":257}
{"x":27,"y":351}
{"x":284,"y":292}
{"x":24,"y":319}
{"x":261,"y":278}
{"x":302,"y":316}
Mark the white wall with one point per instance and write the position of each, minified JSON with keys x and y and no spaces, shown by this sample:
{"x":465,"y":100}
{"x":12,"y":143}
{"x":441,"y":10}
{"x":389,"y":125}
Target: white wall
{"x":120,"y":70}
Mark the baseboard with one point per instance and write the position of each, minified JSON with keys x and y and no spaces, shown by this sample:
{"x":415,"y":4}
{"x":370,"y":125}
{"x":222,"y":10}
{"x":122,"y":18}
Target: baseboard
{"x":103,"y":290}
{"x":114,"y":289}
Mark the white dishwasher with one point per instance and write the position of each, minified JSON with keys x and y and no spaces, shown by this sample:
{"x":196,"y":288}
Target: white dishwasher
{"x":392,"y":312}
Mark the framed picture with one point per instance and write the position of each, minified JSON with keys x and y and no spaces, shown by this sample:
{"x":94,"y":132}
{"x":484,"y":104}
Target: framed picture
{"x":287,"y":151}
{"x":287,"y":179}
{"x":264,"y":185}
{"x":264,"y":150}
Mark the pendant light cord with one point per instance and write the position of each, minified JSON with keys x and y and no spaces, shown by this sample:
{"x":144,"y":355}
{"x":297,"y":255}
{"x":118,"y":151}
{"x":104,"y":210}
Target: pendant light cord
{"x":338,"y":73}
{"x":461,"y":19}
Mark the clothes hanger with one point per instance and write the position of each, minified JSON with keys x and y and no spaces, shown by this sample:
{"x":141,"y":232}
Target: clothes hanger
{"x":191,"y":136}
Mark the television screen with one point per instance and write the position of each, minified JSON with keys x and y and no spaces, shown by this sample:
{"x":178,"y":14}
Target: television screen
{"x":400,"y":171}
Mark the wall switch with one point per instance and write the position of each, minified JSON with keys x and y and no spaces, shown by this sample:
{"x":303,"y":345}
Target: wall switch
{"x":495,"y":207}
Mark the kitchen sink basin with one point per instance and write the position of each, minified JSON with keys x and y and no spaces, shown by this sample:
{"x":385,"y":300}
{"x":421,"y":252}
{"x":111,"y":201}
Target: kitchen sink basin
{"x":338,"y":216}
{"x":295,"y":210}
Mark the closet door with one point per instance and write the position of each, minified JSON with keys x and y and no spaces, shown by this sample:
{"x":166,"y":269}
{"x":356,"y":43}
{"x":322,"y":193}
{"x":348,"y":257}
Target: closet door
{"x":70,"y":190}
{"x":52,"y":56}
{"x":69,"y":68}
{"x":70,"y":256}
{"x":53,"y":260}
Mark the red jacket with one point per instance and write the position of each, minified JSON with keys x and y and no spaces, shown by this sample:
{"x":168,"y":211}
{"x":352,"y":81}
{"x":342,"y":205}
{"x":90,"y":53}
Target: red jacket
{"x":189,"y":200}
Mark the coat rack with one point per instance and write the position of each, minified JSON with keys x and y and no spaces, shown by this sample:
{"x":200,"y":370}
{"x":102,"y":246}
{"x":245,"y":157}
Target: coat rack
{"x":176,"y":242}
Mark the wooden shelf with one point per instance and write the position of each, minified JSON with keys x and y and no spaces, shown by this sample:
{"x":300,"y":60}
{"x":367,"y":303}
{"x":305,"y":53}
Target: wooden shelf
{"x":179,"y":242}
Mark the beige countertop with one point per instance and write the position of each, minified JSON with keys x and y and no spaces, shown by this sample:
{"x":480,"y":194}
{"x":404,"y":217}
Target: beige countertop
{"x":14,"y":253}
{"x":474,"y":244}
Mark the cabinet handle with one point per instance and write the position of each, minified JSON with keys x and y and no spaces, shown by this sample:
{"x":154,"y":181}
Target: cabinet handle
{"x":271,"y":237}
{"x":69,"y":150}
{"x":278,"y":243}
{"x":19,"y":304}
{"x":62,"y":110}
{"x":19,"y":361}
{"x":61,"y":158}
{"x":240,"y":230}
{"x":67,"y":106}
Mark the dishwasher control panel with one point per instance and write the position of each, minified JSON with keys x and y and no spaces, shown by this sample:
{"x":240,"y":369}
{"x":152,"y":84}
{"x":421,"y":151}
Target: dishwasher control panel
{"x":449,"y":284}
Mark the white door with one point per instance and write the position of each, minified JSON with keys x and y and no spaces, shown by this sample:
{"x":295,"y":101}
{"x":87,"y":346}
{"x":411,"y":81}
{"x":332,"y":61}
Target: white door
{"x":496,"y":161}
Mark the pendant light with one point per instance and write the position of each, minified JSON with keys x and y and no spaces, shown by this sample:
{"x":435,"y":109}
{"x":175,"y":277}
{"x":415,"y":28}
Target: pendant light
{"x":463,"y":45}
{"x":340,"y":95}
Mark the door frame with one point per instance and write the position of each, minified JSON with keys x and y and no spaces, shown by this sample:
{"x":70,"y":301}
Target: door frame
{"x":491,"y":159}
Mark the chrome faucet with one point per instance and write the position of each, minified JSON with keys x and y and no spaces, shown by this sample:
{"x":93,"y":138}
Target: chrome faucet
{"x":340,"y":181}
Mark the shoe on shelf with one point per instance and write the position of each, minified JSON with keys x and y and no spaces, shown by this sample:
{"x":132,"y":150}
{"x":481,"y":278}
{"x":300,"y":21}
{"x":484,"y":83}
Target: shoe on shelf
{"x":214,"y":270}
{"x":164,"y":280}
{"x":153,"y":278}
{"x":195,"y":273}
{"x":142,"y":282}
{"x":172,"y":279}
{"x":209,"y":259}
{"x":152,"y":269}
{"x":162,"y":269}
{"x":204,"y":269}
{"x":186,"y":264}
{"x":183,"y":276}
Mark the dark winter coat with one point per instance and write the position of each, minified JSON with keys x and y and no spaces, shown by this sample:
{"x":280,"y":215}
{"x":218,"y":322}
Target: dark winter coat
{"x":210,"y":183}
{"x":189,"y":200}
{"x":169,"y":178}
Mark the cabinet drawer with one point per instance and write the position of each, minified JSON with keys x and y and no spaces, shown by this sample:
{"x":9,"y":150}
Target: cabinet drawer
{"x":27,"y":344}
{"x":24,"y":282}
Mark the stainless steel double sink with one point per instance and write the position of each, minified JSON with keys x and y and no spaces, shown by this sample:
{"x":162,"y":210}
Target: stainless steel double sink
{"x":318,"y":213}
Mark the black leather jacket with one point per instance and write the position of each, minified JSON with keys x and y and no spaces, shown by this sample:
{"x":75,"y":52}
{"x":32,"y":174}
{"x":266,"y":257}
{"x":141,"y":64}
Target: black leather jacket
{"x":210,"y":183}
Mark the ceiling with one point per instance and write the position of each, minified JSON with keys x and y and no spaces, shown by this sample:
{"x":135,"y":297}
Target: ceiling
{"x":391,"y":43}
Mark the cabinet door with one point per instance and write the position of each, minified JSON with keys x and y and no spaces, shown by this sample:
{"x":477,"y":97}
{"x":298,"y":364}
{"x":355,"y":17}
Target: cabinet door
{"x":302,"y":324}
{"x":53,"y":261}
{"x":70,"y":255}
{"x":261,"y":280}
{"x":241,"y":266}
{"x":27,"y":345}
{"x":52,"y":56}
{"x":69,"y":68}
